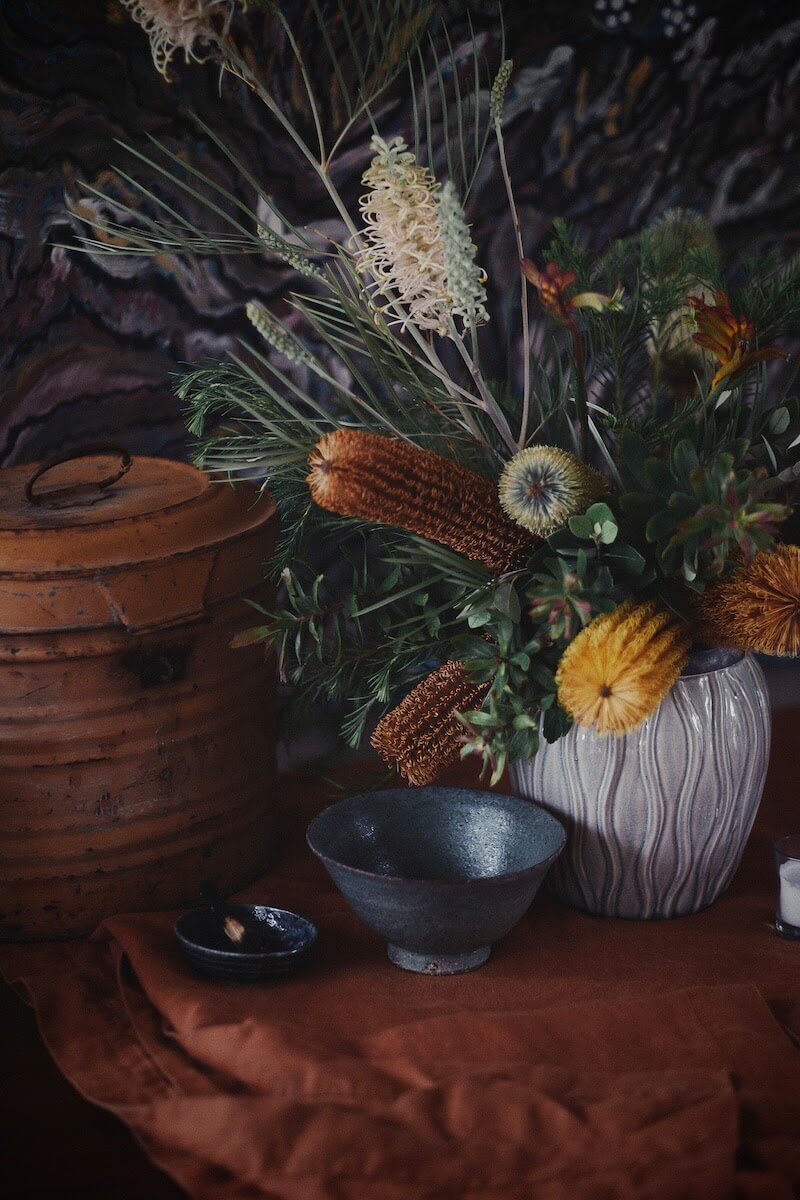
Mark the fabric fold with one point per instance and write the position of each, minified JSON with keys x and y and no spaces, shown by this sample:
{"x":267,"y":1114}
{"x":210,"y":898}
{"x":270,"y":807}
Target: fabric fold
{"x":587,"y":1060}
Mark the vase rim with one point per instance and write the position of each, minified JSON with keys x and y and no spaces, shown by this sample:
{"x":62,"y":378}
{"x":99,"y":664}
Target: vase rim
{"x":704,"y":660}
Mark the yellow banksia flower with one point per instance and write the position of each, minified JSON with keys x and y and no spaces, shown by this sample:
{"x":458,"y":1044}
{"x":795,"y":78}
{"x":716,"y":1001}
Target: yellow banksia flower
{"x":621,"y":666}
{"x":542,"y":487}
{"x":391,"y":482}
{"x":422,"y":735}
{"x":758,"y":608}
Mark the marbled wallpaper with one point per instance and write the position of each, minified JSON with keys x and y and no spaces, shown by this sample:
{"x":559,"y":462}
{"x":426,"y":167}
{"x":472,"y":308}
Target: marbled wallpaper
{"x":620,"y":109}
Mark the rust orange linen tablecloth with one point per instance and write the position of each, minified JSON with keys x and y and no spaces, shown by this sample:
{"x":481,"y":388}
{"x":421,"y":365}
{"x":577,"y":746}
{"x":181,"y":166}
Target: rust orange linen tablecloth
{"x":589,"y":1059}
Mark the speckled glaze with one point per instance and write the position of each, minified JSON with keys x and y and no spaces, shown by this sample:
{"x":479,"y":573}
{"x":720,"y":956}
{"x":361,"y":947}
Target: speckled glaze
{"x":658,"y":819}
{"x":276,"y":943}
{"x":441,"y":873}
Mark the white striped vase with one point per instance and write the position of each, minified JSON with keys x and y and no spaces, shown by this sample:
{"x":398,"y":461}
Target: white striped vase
{"x":658,"y":819}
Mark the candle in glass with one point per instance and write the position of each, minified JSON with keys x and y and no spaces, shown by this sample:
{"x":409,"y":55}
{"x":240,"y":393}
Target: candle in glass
{"x":787,"y":861}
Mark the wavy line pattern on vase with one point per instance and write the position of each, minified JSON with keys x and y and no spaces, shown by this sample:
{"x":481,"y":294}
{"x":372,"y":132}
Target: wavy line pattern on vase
{"x":716,"y":802}
{"x":562,"y":757}
{"x":567,"y":881}
{"x":658,"y":819}
{"x":745,"y":723}
{"x":653,"y":790}
{"x":617,"y":836}
{"x":692,"y":710}
{"x":740,"y":741}
{"x":590,"y":844}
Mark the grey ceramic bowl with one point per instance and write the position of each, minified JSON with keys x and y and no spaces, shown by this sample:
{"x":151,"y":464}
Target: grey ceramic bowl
{"x":441,"y":873}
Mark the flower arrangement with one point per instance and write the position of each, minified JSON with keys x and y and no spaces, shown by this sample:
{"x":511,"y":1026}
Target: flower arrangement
{"x":512,"y":555}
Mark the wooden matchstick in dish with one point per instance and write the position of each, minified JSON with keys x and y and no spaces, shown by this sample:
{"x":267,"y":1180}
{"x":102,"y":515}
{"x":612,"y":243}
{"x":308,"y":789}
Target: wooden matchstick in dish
{"x":233,"y":928}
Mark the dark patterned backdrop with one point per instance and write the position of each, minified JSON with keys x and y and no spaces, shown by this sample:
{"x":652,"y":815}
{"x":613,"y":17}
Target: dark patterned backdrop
{"x":621,"y":110}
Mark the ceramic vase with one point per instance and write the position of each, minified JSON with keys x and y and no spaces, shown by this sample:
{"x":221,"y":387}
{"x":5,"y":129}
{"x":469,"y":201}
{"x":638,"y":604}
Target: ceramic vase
{"x":658,"y":819}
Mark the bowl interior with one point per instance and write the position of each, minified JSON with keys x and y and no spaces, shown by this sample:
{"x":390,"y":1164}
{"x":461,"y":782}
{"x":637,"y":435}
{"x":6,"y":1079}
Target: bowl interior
{"x":436,"y":833}
{"x":268,"y":931}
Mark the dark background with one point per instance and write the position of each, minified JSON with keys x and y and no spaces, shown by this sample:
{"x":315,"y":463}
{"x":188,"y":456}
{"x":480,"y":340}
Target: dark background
{"x":621,"y":109}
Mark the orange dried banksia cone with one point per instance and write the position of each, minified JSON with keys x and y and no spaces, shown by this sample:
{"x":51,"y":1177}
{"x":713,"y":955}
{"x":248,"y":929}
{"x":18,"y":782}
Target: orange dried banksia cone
{"x":357,"y":474}
{"x":758,"y":608}
{"x":422,"y":735}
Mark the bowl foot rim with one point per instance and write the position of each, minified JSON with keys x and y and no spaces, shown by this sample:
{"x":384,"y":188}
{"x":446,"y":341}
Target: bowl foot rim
{"x":438,"y":964}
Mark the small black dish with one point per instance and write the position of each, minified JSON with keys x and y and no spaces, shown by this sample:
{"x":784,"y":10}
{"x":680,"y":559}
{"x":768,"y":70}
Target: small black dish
{"x":276,"y":943}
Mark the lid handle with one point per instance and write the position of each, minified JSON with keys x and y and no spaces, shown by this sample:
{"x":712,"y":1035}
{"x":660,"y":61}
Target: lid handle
{"x":108,"y":481}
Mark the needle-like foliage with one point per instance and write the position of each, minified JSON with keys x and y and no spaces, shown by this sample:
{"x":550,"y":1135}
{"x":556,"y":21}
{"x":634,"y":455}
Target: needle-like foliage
{"x":652,"y":372}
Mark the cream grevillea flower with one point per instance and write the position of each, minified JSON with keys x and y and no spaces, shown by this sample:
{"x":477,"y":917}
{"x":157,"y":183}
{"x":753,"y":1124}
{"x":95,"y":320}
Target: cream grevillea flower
{"x":179,"y":24}
{"x":542,"y":487}
{"x":418,"y":244}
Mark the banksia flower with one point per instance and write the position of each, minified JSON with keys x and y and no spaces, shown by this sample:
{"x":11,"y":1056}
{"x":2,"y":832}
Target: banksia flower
{"x":418,"y":244}
{"x":678,"y":233}
{"x":357,"y":474}
{"x":758,"y":608}
{"x":422,"y":735}
{"x":179,"y":24}
{"x":620,"y":667}
{"x":542,"y":487}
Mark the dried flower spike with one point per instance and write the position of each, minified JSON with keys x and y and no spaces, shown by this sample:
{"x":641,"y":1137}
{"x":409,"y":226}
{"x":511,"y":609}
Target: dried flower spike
{"x":497,"y":95}
{"x":758,"y":608}
{"x":180,"y":25}
{"x":465,"y":279}
{"x":277,"y":335}
{"x":620,"y":667}
{"x":542,"y":487}
{"x":293,"y":257}
{"x":422,"y":735}
{"x":357,"y":474}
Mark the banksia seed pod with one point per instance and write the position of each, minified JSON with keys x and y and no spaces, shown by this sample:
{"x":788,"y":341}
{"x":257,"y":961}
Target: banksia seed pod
{"x":541,"y":487}
{"x":357,"y":474}
{"x":758,"y":608}
{"x":422,"y":735}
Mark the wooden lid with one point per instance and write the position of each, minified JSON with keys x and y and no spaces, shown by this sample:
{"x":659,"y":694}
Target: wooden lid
{"x":101,"y":538}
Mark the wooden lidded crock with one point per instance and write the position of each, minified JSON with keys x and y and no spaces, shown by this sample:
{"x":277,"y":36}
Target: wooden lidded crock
{"x":136,"y":747}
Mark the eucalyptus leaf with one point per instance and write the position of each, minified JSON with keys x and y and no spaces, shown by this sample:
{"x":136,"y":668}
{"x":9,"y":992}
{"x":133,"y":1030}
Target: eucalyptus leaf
{"x":582,"y":527}
{"x":627,"y":557}
{"x":606,"y":532}
{"x":779,"y":421}
{"x":599,"y":513}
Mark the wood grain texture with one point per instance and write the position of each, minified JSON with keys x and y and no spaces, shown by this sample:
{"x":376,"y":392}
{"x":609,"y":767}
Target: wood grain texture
{"x":610,"y":126}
